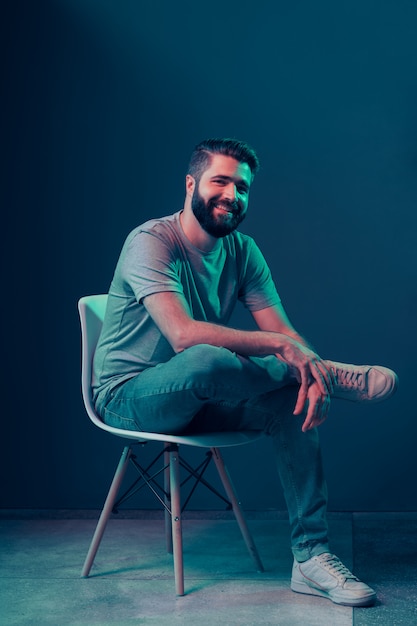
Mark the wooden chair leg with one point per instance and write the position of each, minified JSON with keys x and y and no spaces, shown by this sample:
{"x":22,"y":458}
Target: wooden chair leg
{"x":107,"y":509}
{"x":237,"y":510}
{"x":176,"y":521}
{"x":167,"y":499}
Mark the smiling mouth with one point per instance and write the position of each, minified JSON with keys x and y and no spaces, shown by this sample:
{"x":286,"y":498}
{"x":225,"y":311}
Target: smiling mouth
{"x":225,"y":209}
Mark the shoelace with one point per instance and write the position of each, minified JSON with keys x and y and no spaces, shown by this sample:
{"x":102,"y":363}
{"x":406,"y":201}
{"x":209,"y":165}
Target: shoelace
{"x":335,"y":566}
{"x":349,"y":378}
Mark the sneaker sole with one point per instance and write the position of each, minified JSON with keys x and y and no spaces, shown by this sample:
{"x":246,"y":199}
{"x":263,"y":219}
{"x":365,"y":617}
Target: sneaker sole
{"x":300,"y":587}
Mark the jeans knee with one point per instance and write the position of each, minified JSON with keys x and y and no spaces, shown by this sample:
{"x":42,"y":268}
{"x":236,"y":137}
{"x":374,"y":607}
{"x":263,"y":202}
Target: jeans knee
{"x":207,"y":361}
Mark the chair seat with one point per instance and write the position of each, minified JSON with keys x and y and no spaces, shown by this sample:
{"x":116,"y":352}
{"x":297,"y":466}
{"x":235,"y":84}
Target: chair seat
{"x":200,"y":440}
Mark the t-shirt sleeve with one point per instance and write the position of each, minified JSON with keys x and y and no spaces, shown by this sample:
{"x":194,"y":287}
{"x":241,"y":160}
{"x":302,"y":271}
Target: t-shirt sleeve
{"x":149,"y":265}
{"x":257,"y":289}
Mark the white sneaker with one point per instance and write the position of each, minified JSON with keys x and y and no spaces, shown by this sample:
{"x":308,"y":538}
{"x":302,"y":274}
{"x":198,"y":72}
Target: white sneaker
{"x":358,"y":383}
{"x":326,"y":576}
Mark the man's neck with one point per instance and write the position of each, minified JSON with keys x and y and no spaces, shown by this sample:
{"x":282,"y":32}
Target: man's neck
{"x":195,"y":233}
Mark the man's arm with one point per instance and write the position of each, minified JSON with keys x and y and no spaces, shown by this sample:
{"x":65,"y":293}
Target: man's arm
{"x":274,"y":318}
{"x":171,"y":314}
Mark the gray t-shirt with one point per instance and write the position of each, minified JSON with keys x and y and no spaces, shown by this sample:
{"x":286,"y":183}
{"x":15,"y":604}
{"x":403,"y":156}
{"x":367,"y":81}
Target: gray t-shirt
{"x":158,"y":257}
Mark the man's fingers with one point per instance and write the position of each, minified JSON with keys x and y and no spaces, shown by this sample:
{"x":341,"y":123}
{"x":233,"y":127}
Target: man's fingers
{"x":321,"y":375}
{"x":317,"y":413}
{"x":302,"y":393}
{"x":311,"y":417}
{"x":327,"y":375}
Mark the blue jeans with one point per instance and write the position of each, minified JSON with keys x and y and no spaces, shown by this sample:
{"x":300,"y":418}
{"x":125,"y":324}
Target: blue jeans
{"x":206,"y":388}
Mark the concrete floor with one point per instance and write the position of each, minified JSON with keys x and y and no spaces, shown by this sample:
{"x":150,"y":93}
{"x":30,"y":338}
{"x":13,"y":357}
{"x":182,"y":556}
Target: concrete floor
{"x":42,"y":553}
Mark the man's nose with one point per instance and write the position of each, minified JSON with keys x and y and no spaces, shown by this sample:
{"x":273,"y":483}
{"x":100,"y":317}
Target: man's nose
{"x":230,"y":192}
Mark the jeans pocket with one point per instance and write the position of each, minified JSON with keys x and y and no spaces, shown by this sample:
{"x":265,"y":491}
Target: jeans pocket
{"x":117,"y":421}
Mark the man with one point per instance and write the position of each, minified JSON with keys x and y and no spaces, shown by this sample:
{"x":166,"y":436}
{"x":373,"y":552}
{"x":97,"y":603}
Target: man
{"x":167,"y":361}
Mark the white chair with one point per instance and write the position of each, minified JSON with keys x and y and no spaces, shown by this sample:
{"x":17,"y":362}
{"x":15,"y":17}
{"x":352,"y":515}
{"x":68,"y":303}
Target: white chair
{"x":92,"y":310}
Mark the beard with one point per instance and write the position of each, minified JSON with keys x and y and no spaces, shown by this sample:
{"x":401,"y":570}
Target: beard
{"x":220,"y":224}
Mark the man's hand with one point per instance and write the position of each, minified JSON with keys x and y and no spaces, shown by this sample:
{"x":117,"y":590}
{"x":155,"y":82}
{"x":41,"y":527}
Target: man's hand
{"x":316,"y":381}
{"x":317,"y":407}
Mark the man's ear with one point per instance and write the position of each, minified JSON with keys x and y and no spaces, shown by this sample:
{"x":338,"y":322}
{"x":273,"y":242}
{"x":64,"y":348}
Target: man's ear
{"x":189,"y":184}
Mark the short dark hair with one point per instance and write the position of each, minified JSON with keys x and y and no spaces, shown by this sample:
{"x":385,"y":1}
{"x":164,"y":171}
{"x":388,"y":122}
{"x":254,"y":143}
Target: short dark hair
{"x":239,"y":150}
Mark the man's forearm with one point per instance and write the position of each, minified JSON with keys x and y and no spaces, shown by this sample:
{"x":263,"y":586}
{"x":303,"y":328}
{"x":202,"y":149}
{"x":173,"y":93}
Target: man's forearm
{"x":299,"y":339}
{"x":244,"y":342}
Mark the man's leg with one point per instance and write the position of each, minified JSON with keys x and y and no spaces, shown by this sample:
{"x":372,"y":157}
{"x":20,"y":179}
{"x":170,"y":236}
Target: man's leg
{"x":316,"y":570}
{"x":208,"y":388}
{"x":168,"y":397}
{"x":297,"y":455}
{"x":205,"y":389}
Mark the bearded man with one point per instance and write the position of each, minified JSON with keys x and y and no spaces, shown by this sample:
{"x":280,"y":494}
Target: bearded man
{"x":168,"y":361}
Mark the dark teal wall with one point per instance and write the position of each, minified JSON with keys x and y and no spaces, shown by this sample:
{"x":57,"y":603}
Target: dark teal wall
{"x":102,"y":102}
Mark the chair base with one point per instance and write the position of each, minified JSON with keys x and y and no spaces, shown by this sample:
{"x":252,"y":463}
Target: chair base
{"x":171,"y":500}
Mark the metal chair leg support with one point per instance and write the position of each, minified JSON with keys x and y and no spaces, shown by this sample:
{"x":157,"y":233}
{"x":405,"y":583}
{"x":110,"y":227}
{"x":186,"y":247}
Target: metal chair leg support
{"x":176,"y":521}
{"x":231,"y":494}
{"x":107,"y":509}
{"x":146,"y":479}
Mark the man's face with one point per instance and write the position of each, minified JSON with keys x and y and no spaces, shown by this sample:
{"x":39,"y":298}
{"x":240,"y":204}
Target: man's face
{"x":220,"y":199}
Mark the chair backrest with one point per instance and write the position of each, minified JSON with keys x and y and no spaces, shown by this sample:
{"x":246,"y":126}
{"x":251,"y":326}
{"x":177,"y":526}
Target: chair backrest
{"x":91,"y":310}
